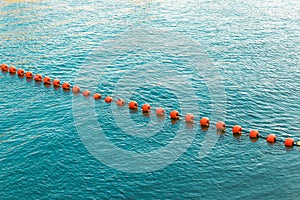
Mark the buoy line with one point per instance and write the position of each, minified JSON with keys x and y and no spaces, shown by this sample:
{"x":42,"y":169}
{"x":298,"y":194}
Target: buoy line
{"x":146,"y":108}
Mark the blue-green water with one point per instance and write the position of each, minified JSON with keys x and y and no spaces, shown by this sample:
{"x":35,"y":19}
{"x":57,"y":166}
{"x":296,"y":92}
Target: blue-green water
{"x":254,"y":45}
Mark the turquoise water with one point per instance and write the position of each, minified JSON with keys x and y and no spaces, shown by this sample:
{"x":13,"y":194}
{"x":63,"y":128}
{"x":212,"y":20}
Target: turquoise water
{"x":254,"y":46}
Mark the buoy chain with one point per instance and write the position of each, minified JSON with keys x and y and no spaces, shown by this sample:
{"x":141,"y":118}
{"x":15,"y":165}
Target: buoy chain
{"x":146,"y":108}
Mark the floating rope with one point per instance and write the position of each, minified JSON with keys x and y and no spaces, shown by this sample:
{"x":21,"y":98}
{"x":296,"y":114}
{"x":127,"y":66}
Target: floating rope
{"x":146,"y":108}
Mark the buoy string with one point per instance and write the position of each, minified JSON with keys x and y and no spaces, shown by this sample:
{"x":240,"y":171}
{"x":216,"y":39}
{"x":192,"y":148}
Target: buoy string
{"x":190,"y":119}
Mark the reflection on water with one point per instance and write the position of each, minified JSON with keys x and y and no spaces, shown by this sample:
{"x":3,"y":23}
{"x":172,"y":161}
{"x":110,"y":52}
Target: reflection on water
{"x":20,"y":1}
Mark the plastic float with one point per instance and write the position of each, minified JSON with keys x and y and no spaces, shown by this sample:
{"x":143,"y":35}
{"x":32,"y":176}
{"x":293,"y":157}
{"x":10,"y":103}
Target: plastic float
{"x":133,"y":105}
{"x":96,"y":95}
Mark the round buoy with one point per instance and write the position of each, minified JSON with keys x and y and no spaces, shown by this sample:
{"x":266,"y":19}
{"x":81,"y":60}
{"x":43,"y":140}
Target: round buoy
{"x":133,"y":105}
{"x":56,"y":83}
{"x":12,"y":70}
{"x":38,"y":77}
{"x":289,"y":142}
{"x":174,"y":114}
{"x":86,"y":93}
{"x":146,"y":107}
{"x":254,"y":134}
{"x":4,"y":67}
{"x":76,"y":89}
{"x":97,"y":96}
{"x":66,"y":86}
{"x":221,"y":126}
{"x":271,"y":138}
{"x":120,"y":102}
{"x":160,"y":111}
{"x":237,"y":130}
{"x":47,"y":80}
{"x":28,"y":75}
{"x":108,"y":99}
{"x":204,"y":122}
{"x":189,"y":118}
{"x":20,"y":72}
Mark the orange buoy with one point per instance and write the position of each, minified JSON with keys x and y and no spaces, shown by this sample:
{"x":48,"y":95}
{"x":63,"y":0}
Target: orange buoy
{"x":254,"y":134}
{"x":28,"y":75}
{"x":204,"y":121}
{"x":133,"y":105}
{"x":47,"y":80}
{"x":160,"y":111}
{"x":237,"y":130}
{"x":12,"y":70}
{"x":86,"y":93}
{"x":66,"y":86}
{"x":4,"y":67}
{"x":146,"y":107}
{"x":174,"y":114}
{"x":38,"y":77}
{"x":120,"y":102}
{"x":56,"y":83}
{"x":220,"y":126}
{"x":189,"y":118}
{"x":97,"y":96}
{"x":76,"y":89}
{"x":271,"y":138}
{"x":289,"y":142}
{"x":20,"y":72}
{"x":108,"y":99}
